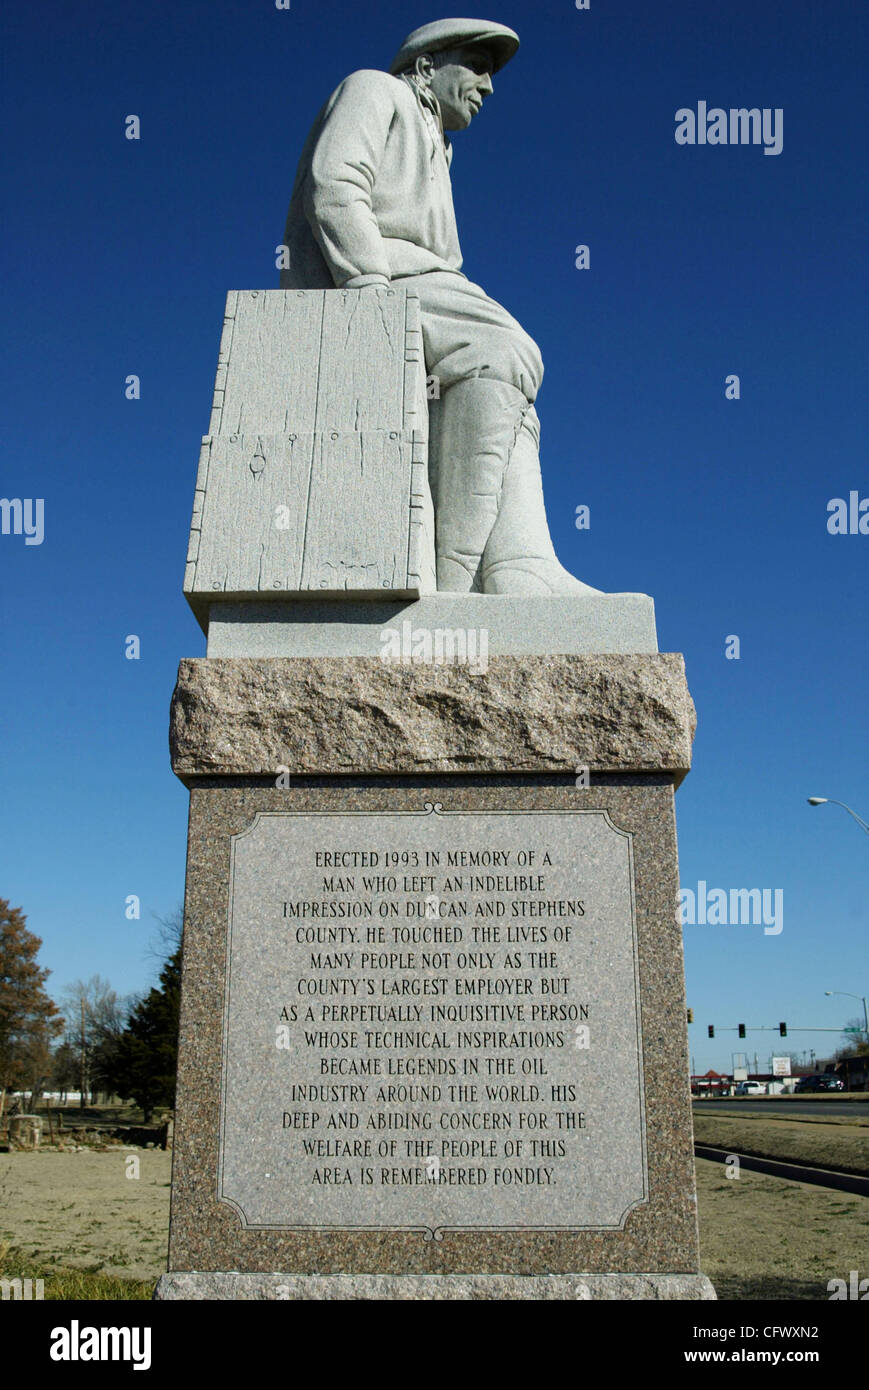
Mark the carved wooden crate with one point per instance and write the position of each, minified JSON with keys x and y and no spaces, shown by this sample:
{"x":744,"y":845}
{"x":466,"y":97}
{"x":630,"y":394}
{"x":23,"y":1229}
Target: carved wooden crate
{"x":314,"y":475}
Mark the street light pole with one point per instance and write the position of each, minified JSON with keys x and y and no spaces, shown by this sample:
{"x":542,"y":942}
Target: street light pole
{"x":848,"y":995}
{"x":831,"y":801}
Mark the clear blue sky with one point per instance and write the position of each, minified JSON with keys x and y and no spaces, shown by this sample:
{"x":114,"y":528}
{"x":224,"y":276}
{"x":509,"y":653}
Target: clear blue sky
{"x":705,"y":261}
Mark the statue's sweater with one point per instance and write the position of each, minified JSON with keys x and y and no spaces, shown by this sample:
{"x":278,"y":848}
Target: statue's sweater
{"x":372,"y":195}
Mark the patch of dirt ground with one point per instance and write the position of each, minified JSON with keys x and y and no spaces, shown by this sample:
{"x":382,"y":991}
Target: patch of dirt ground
{"x":79,"y":1209}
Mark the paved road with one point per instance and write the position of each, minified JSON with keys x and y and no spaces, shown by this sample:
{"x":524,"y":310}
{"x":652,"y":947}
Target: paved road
{"x":857,"y":1109}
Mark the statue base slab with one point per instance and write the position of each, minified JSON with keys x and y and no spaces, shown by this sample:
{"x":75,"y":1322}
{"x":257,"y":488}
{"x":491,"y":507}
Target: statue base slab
{"x":514,"y":626}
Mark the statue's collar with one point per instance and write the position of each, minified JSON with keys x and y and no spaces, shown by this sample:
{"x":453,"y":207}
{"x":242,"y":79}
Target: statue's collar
{"x":431,"y":110}
{"x":428,"y":98}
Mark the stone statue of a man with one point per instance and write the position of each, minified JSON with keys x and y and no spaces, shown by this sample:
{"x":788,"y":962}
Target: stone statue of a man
{"x":372,"y":206}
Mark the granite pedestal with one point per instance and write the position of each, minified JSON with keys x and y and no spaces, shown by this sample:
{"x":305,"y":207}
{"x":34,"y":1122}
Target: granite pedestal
{"x":433,"y":1039}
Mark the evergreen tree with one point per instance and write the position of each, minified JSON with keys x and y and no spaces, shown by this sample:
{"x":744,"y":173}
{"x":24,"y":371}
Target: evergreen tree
{"x":65,"y":1068}
{"x":141,"y":1063}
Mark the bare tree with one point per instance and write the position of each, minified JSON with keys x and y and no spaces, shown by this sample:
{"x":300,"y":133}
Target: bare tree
{"x":170,"y":933}
{"x":95,"y":1015}
{"x":856,"y":1043}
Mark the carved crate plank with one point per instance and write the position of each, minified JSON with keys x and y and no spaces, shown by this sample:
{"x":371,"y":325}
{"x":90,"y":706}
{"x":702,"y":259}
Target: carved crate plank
{"x":273,"y":362}
{"x":253,"y":516}
{"x":358,"y":511}
{"x":362,"y":356}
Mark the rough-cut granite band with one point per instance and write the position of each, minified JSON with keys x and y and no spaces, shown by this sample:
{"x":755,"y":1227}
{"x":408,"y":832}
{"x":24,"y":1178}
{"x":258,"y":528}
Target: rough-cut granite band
{"x":346,"y":715}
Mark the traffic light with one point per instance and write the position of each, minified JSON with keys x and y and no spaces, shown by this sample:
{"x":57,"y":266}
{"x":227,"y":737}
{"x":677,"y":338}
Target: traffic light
{"x":741,"y":1030}
{"x":690,"y":1015}
{"x":712,"y":1030}
{"x":783,"y":1030}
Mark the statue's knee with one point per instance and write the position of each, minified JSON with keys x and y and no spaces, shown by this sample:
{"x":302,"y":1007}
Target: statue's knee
{"x":535,"y":364}
{"x":516,"y":362}
{"x":526,"y":365}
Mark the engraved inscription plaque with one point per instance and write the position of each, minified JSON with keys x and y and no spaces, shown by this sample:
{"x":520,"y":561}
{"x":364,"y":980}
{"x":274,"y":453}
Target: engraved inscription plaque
{"x":432,"y":1022}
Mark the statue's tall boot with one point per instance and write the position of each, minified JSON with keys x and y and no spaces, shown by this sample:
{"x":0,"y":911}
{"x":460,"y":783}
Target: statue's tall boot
{"x":519,"y":557}
{"x":478,"y":422}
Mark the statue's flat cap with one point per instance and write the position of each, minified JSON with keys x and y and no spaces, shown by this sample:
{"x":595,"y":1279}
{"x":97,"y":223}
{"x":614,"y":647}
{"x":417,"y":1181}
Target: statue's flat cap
{"x":497,"y":40}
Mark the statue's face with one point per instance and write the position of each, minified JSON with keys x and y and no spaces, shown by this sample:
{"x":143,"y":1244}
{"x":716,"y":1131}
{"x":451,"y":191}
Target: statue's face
{"x":460,"y":79}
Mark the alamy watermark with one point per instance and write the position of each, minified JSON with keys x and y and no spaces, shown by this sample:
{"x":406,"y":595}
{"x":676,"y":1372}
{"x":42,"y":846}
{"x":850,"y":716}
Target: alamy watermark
{"x":441,"y":646}
{"x":740,"y":125}
{"x":856,"y":1288}
{"x":849,"y":518}
{"x":77,"y":1343}
{"x":740,"y":907}
{"x":21,"y":1290}
{"x":23,"y":516}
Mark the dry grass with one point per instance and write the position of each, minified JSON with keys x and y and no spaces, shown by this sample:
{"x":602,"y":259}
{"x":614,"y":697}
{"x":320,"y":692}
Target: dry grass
{"x":834,"y":1143}
{"x":767,"y":1238}
{"x":64,"y":1284}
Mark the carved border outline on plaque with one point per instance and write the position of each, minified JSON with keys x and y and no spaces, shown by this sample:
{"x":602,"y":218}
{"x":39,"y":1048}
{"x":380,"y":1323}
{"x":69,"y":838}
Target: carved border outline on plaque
{"x":435,"y":1233}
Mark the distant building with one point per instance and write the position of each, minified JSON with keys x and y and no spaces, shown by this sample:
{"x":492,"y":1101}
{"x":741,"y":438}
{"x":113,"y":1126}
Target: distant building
{"x":711,"y":1083}
{"x":854,"y":1071}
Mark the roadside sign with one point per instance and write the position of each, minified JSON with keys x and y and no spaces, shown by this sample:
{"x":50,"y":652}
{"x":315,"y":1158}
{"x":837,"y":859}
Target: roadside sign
{"x":781,"y":1066}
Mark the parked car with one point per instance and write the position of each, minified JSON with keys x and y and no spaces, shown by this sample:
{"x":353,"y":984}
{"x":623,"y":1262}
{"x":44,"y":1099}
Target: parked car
{"x":823,"y":1081}
{"x":751,"y":1088}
